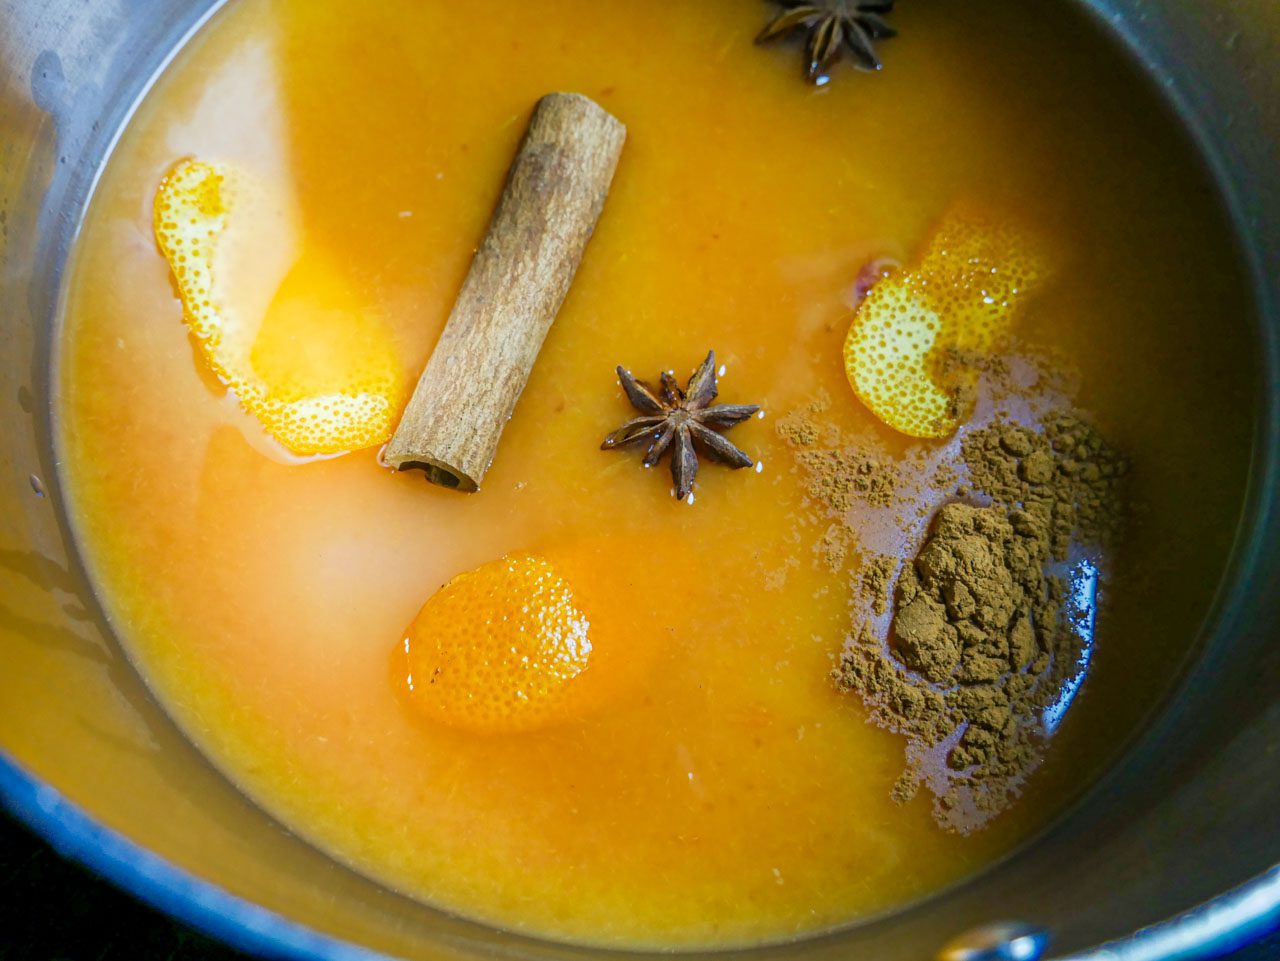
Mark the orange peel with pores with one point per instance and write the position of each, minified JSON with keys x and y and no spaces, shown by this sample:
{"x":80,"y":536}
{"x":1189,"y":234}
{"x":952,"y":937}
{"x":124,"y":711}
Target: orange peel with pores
{"x":909,"y":350}
{"x":282,"y":331}
{"x":500,"y":649}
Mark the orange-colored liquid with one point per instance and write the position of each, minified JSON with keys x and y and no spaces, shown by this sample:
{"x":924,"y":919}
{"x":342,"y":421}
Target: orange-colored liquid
{"x":724,"y":792}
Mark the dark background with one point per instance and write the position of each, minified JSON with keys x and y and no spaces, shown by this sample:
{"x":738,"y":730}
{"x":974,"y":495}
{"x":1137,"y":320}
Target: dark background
{"x":53,"y":910}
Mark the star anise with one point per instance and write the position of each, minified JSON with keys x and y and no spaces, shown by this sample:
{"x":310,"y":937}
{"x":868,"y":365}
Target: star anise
{"x":834,"y":27}
{"x":682,"y":420}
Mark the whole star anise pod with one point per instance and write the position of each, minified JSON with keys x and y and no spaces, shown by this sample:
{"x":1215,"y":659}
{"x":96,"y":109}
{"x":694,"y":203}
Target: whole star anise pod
{"x":834,"y":27}
{"x":682,"y":420}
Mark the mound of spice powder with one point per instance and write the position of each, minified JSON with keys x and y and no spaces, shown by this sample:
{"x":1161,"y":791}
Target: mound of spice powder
{"x":983,"y":640}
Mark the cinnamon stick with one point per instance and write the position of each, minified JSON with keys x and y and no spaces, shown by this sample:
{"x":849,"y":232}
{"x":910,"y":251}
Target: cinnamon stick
{"x":555,"y":190}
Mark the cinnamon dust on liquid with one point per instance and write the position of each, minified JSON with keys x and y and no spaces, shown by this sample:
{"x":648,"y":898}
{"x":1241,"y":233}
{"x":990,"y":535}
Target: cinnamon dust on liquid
{"x":966,"y":647}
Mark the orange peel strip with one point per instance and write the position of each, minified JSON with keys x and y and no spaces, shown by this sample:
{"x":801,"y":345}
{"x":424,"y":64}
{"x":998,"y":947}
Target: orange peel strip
{"x":319,"y":374}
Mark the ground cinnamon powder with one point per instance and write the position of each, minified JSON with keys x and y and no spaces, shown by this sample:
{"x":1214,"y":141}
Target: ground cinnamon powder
{"x":977,"y":651}
{"x":838,"y":474}
{"x":984,"y":638}
{"x":1064,"y":473}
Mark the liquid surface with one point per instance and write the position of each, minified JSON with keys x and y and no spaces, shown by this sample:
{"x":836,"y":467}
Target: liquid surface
{"x":722,"y":792}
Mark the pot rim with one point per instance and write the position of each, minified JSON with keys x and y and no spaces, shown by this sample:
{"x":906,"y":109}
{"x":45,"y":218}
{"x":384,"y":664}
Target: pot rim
{"x":1223,"y":924}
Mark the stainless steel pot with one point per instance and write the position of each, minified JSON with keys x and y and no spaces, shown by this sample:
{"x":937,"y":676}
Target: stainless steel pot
{"x":89,"y":760}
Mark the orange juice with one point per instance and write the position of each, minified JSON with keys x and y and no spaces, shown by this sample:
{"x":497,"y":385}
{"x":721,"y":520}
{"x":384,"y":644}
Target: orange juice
{"x":715,"y":789}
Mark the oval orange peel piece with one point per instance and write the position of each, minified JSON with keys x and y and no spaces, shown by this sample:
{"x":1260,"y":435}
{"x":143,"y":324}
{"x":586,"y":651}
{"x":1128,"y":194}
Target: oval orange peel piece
{"x":909,"y":352}
{"x":499,"y":649}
